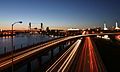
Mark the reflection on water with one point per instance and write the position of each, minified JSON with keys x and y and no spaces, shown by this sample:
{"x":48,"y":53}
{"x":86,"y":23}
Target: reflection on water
{"x":20,"y":41}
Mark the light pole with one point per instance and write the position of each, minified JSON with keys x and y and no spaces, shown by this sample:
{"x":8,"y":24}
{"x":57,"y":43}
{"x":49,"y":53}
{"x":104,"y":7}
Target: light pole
{"x":12,"y":44}
{"x":14,"y":24}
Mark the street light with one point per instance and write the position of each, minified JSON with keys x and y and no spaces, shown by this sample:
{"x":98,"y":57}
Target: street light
{"x":14,"y":24}
{"x":12,"y":43}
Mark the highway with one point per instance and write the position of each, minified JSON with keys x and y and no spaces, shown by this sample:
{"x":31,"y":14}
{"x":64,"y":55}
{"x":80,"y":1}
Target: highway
{"x":6,"y":62}
{"x":86,"y":60}
{"x":63,"y":62}
{"x":89,"y":59}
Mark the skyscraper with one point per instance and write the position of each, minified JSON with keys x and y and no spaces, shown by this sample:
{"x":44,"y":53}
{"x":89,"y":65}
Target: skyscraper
{"x":29,"y":26}
{"x":116,"y":25}
{"x":105,"y":27}
{"x":41,"y":26}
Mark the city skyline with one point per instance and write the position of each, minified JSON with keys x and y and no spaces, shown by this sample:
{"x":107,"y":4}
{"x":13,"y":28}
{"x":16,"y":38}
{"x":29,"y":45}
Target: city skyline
{"x":60,"y":14}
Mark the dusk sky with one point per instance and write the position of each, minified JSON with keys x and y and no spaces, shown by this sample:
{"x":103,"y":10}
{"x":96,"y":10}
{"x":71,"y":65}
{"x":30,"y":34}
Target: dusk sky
{"x":59,"y":13}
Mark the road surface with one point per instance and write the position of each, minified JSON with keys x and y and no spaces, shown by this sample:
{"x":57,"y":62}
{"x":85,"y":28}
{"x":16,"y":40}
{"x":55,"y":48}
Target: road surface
{"x":89,"y":59}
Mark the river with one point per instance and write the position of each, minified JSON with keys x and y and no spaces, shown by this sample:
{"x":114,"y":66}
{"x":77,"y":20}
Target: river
{"x":21,"y":41}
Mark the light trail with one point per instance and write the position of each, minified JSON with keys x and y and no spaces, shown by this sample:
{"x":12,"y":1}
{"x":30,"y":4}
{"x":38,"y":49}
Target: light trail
{"x":65,"y":60}
{"x":88,"y":60}
{"x":69,"y":58}
{"x":61,"y":58}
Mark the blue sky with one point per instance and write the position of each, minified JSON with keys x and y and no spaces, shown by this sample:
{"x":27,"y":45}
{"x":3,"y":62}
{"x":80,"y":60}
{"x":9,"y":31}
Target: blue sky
{"x":59,"y":13}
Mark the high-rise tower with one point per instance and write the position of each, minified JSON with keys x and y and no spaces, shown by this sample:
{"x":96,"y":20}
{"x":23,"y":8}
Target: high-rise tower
{"x":105,"y":27}
{"x":116,"y":25}
{"x":41,"y":26}
{"x":29,"y":26}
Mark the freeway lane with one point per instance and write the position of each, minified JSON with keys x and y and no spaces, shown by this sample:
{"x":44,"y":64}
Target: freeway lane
{"x":88,"y":59}
{"x":63,"y":63}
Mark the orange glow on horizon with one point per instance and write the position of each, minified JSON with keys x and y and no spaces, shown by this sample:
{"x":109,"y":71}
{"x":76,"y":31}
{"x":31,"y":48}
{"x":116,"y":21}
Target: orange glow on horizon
{"x":26,"y":28}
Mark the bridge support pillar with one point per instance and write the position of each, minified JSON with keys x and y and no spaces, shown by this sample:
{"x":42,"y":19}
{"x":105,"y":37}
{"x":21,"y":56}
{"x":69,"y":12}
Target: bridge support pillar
{"x":40,"y":62}
{"x":70,"y":42}
{"x":60,"y":48}
{"x":29,"y":67}
{"x":52,"y":52}
{"x":5,"y":50}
